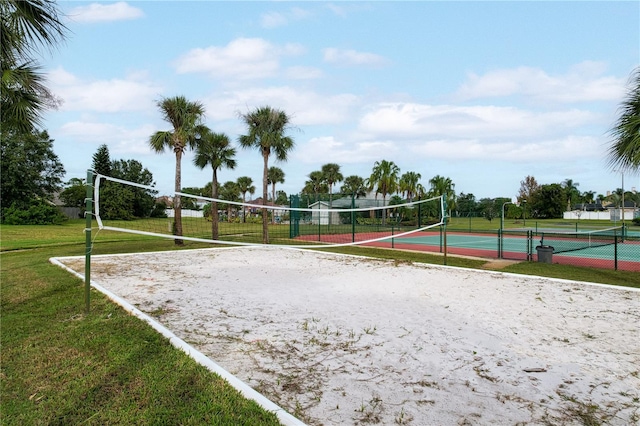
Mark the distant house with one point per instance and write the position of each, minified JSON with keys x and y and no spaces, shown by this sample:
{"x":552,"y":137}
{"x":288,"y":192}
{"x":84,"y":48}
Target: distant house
{"x":166,"y":200}
{"x":254,"y":211}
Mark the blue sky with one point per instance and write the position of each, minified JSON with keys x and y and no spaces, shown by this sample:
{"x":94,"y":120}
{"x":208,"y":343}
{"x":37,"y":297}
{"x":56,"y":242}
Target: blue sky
{"x":485,"y":93}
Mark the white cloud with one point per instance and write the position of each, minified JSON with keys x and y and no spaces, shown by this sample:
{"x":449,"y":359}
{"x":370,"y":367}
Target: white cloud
{"x":303,"y":73}
{"x":406,"y":120}
{"x":273,"y":20}
{"x":278,"y":19}
{"x":134,"y":93}
{"x":582,"y":83}
{"x":121,"y":140}
{"x":304,"y":106}
{"x":353,"y":58}
{"x":98,"y":12}
{"x":337,"y":10}
{"x":543,"y":150}
{"x":242,"y":58}
{"x":327,"y":149}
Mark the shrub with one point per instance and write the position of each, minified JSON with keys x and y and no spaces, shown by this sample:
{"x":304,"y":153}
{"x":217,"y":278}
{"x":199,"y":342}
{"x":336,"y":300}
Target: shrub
{"x":35,"y":212}
{"x":159,"y":210}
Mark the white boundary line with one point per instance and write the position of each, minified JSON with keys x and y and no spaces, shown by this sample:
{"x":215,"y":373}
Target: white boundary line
{"x":283,"y":416}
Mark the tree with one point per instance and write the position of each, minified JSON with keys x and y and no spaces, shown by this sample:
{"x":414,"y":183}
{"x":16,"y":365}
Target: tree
{"x":354,"y":186}
{"x":466,"y":203}
{"x":29,"y":169}
{"x":185,"y":118}
{"x":488,"y":208}
{"x":274,"y":175}
{"x":315,"y":185}
{"x":549,"y":201}
{"x":528,"y":188}
{"x":101,"y":161}
{"x":245,"y":184}
{"x":142,"y":200}
{"x":441,"y":185}
{"x":281,"y":198}
{"x":191,"y":203}
{"x":266,"y":128}
{"x":26,"y":25}
{"x":588,"y":196}
{"x":624,"y":152}
{"x":75,"y":193}
{"x":229,"y":192}
{"x":409,"y":183}
{"x":384,"y":177}
{"x":125,"y":202}
{"x":331,"y":174}
{"x":213,"y":149}
{"x":571,"y":189}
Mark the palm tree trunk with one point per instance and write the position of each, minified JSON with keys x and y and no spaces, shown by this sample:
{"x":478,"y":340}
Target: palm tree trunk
{"x":384,"y":211}
{"x":177,"y":205}
{"x":214,"y":206}
{"x":330,"y":202}
{"x":273,"y":199}
{"x":265,"y":221}
{"x":244,"y":208}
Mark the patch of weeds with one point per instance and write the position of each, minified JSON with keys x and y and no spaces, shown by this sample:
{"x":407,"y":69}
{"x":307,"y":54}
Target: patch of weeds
{"x":371,"y":411}
{"x":587,"y":414}
{"x":403,"y":418}
{"x":370,"y":330}
{"x":483,"y":372}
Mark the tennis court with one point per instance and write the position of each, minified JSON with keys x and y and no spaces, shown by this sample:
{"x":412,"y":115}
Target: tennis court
{"x":516,"y":245}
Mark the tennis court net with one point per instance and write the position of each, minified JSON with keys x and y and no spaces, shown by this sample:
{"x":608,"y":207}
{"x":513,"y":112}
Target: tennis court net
{"x":563,"y":242}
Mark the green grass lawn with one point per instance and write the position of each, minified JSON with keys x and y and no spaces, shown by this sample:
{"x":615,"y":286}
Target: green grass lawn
{"x":61,"y":366}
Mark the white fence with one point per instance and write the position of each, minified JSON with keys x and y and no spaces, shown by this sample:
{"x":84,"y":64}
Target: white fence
{"x":613,"y":215}
{"x":186,"y":213}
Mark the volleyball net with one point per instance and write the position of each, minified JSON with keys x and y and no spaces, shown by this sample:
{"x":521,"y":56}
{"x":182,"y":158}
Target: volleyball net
{"x":124,"y":206}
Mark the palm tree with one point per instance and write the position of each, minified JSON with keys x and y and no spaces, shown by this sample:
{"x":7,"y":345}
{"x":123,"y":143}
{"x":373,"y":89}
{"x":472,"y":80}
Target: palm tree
{"x":230,"y":192}
{"x":25,"y":25}
{"x":266,"y":132}
{"x":354,"y":186}
{"x":214,"y":149}
{"x":316,"y":184}
{"x":331,"y":173}
{"x":571,"y":189}
{"x":185,"y":118}
{"x":384,"y":177}
{"x":588,"y":196}
{"x":245,"y":184}
{"x":409,"y":183}
{"x":624,"y":152}
{"x":274,"y":175}
{"x":441,"y":185}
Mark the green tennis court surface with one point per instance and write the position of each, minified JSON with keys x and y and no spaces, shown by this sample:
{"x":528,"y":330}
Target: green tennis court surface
{"x":518,"y":247}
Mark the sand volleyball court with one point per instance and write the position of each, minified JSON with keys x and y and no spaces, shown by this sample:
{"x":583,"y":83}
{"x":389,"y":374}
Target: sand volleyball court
{"x":337,"y":339}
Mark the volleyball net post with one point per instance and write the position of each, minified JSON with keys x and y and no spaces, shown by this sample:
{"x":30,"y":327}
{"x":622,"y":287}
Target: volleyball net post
{"x":88,"y":246}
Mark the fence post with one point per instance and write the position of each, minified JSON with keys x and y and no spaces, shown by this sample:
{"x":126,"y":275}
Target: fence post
{"x":353,"y":218}
{"x":444,"y":214}
{"x":615,"y":248}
